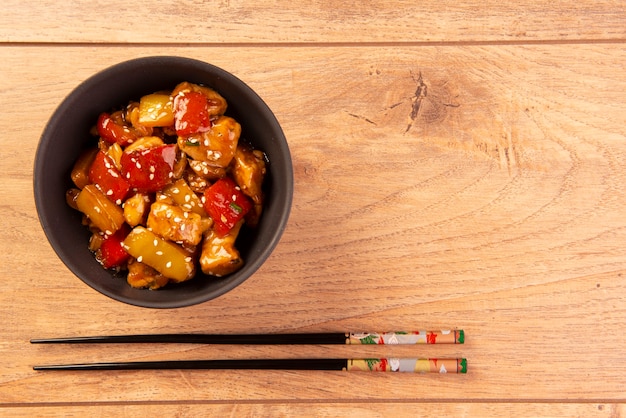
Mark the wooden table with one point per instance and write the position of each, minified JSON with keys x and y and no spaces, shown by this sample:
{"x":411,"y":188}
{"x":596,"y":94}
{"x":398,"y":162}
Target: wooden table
{"x":458,"y":164}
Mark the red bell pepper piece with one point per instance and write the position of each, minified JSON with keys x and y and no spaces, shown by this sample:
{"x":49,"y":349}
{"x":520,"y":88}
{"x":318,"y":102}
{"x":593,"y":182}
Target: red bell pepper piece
{"x":107,"y":177}
{"x":191,"y":113}
{"x":226,"y":204}
{"x":112,"y":132}
{"x":111,"y":253}
{"x":149,"y":170}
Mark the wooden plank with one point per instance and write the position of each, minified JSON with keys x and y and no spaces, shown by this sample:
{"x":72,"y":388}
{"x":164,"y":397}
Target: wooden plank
{"x":369,"y":409}
{"x":499,"y":210}
{"x":237,"y":21}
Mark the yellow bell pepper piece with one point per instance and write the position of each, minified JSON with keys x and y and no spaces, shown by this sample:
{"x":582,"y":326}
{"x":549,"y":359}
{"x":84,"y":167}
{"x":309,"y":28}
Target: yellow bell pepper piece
{"x":156,"y":110}
{"x":164,"y":256}
{"x":104,"y":214}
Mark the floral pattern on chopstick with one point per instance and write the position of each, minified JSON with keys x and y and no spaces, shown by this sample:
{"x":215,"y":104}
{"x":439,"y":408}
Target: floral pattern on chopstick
{"x":404,"y":337}
{"x":424,"y":365}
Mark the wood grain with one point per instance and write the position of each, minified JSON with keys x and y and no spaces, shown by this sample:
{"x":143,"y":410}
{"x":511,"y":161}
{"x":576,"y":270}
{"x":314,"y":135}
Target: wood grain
{"x":283,"y":21}
{"x":371,"y":409}
{"x":470,"y":179}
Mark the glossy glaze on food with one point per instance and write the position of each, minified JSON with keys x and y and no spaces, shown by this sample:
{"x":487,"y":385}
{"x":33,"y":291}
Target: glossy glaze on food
{"x":168,"y":187}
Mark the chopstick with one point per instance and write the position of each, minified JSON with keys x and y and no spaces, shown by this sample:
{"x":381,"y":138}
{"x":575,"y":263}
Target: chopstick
{"x":381,"y":364}
{"x":418,"y":365}
{"x":399,"y":337}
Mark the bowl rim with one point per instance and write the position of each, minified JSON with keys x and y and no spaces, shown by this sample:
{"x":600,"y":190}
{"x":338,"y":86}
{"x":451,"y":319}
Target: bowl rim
{"x":287,"y":181}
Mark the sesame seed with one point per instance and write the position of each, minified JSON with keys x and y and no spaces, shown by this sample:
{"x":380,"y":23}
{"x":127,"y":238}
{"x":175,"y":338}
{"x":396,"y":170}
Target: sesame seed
{"x":97,"y":209}
{"x":139,"y":259}
{"x":169,"y":264}
{"x":182,"y":227}
{"x":187,"y":198}
{"x":155,"y":242}
{"x":109,"y":192}
{"x":175,"y":190}
{"x":188,"y":259}
{"x":177,"y":220}
{"x":159,"y":253}
{"x":151,"y":176}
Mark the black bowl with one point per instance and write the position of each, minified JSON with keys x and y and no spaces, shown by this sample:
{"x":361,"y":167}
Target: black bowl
{"x":67,"y":134}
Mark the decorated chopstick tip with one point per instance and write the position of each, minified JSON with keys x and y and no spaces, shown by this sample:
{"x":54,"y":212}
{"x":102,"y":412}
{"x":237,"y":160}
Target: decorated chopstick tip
{"x":408,"y":337}
{"x":411,"y":365}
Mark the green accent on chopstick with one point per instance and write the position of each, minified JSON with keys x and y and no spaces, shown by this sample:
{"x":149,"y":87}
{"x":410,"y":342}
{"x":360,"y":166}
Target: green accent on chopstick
{"x":463,"y":364}
{"x":461,"y":338}
{"x":368,"y":340}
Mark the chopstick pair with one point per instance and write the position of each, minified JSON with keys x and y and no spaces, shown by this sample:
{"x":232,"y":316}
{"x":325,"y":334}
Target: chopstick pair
{"x":420,"y":365}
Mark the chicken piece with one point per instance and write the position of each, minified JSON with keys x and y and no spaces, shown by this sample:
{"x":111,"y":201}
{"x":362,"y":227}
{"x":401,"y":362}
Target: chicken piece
{"x":219,"y":256}
{"x":175,"y":224}
{"x":216,"y":146}
{"x":141,"y":275}
{"x":207,"y":171}
{"x":136,"y":209}
{"x":182,"y":194}
{"x":197,"y":183}
{"x":248,"y":169}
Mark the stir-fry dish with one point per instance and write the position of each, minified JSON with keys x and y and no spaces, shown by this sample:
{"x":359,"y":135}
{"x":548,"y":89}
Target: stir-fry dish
{"x":168,"y":187}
